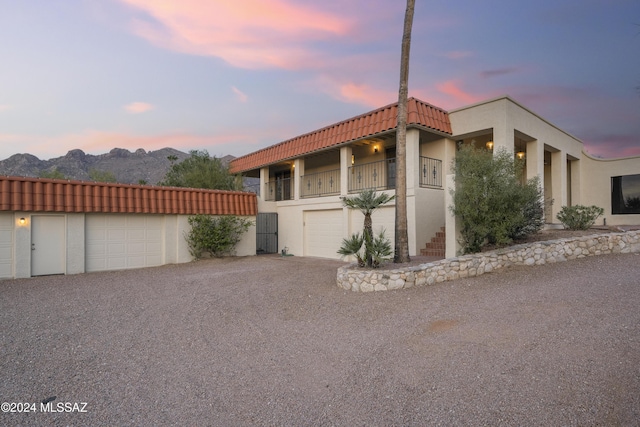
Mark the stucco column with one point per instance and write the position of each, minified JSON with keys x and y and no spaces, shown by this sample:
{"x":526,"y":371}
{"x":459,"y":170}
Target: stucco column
{"x":503,"y":136}
{"x":451,"y":224}
{"x":298,"y":172}
{"x":264,"y":183}
{"x":535,"y":161}
{"x":345,"y":164}
{"x":413,"y":160}
{"x":558,"y":182}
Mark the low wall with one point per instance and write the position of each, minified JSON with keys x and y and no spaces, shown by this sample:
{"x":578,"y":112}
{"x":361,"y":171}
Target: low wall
{"x":365,"y":280}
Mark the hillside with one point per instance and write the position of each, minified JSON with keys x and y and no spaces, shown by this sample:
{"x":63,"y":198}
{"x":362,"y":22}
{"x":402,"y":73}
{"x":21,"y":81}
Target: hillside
{"x":128,"y":167}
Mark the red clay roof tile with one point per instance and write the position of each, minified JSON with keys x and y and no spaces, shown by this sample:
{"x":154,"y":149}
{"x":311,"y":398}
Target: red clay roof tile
{"x":49,"y":195}
{"x":383,"y":119}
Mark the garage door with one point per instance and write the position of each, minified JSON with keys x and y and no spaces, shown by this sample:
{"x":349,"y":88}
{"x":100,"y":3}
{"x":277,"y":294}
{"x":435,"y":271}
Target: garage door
{"x":323,"y":233}
{"x":117,"y":242}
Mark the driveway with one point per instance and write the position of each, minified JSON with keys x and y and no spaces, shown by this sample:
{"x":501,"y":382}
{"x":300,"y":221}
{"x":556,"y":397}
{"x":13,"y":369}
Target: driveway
{"x":273,"y":341}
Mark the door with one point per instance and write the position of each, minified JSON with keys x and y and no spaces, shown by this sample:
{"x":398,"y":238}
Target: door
{"x":48,"y":245}
{"x":267,"y":233}
{"x":323,"y":233}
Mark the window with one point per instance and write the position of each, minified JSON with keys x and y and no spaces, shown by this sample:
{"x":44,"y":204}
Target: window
{"x":625,"y":194}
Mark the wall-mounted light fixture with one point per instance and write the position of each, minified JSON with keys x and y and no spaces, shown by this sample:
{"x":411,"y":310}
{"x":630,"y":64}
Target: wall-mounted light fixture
{"x":521,"y":155}
{"x":23,"y":221}
{"x":489,"y":145}
{"x":353,"y":159}
{"x":375,"y":148}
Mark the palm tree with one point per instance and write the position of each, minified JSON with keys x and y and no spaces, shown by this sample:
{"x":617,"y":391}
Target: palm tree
{"x":367,"y":202}
{"x":402,"y":234}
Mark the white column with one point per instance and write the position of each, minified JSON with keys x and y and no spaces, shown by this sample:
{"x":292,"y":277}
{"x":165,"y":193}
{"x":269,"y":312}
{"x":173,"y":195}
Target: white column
{"x":298,"y":172}
{"x":535,"y":160}
{"x":558,"y":182}
{"x":345,"y":164}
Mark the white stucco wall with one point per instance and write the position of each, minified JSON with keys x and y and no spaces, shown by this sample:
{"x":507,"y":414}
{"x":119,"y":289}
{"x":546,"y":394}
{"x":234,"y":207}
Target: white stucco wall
{"x":6,"y":244}
{"x":595,"y":175}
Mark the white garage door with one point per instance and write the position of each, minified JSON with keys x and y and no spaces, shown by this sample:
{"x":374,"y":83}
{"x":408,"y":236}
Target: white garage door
{"x":123,"y":241}
{"x":323,"y":233}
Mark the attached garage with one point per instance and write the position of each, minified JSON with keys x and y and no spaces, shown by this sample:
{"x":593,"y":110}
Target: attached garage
{"x":67,"y":227}
{"x":117,"y":242}
{"x":323,"y":233}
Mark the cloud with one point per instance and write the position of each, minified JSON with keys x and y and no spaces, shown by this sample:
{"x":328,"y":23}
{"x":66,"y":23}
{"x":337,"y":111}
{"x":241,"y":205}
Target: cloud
{"x":138,"y":107}
{"x":4,"y":107}
{"x":498,"y":72}
{"x":247,"y":34}
{"x":453,"y":88}
{"x":242,"y":97}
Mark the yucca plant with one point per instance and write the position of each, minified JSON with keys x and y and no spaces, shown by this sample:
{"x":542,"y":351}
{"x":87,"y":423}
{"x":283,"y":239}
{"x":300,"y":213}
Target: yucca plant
{"x":352,"y":246}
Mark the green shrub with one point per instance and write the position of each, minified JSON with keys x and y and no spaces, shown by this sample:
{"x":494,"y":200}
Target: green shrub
{"x":378,"y":249}
{"x":579,"y":217}
{"x":353,"y":246}
{"x":489,"y":200}
{"x":216,"y":235}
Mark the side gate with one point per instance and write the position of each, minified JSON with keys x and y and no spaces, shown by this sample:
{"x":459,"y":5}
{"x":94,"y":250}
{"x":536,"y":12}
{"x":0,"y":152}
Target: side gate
{"x":267,"y":233}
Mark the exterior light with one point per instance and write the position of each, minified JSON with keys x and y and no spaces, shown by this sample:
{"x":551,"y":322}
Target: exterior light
{"x":353,"y":159}
{"x":521,"y":155}
{"x":375,"y":148}
{"x":489,"y":145}
{"x":22,"y":221}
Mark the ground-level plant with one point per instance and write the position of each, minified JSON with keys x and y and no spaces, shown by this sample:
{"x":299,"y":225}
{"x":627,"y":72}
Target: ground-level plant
{"x":490,"y":201}
{"x":579,"y":217}
{"x":216,"y":235}
{"x":376,"y":248}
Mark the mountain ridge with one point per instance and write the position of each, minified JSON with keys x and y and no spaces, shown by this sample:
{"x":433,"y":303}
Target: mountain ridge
{"x":137,"y":167}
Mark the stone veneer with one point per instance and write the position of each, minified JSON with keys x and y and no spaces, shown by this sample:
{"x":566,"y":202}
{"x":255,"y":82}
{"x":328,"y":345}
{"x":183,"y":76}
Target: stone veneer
{"x":368,"y":280}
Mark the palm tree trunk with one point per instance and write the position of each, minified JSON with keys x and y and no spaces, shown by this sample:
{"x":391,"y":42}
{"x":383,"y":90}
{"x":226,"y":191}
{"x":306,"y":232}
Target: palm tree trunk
{"x":402,"y":235}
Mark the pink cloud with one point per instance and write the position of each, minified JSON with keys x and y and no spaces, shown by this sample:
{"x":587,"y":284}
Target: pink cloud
{"x":365,"y":95}
{"x":248,"y":34}
{"x":453,"y":89}
{"x":138,"y":107}
{"x":242,"y":97}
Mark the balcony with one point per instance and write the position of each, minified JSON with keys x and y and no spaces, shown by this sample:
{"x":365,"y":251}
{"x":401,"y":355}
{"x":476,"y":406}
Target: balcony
{"x":320,"y":184}
{"x":430,"y":172}
{"x":278,"y":190}
{"x":380,"y":175}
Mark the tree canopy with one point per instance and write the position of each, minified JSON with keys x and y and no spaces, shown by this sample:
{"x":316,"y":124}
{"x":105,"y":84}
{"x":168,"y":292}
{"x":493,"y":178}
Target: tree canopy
{"x":201,"y":171}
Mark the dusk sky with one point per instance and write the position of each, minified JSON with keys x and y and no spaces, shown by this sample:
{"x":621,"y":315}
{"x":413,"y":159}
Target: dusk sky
{"x":232,"y":77}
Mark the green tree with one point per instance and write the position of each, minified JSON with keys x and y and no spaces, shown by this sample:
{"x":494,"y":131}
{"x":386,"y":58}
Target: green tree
{"x":402,"y":234}
{"x":201,"y":171}
{"x":101,"y":176}
{"x":52,"y":174}
{"x":216,"y":235}
{"x":489,"y":200}
{"x":366,"y":202}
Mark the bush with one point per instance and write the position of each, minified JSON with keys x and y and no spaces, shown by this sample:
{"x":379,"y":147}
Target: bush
{"x":377,"y":248}
{"x":493,"y":206}
{"x":216,"y":235}
{"x":579,"y":217}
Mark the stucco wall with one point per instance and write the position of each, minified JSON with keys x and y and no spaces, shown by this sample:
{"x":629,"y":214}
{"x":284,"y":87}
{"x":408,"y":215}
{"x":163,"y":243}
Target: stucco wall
{"x":6,"y":244}
{"x":595,"y":175}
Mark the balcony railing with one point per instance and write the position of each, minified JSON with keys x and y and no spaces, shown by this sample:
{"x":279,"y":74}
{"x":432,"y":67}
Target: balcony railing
{"x":430,"y":172}
{"x":379,"y":175}
{"x":279,"y":189}
{"x":320,"y":184}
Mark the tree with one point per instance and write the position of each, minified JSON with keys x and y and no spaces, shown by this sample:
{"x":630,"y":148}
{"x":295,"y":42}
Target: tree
{"x":101,"y":176}
{"x":201,"y":171}
{"x":52,"y":174}
{"x":402,"y":234}
{"x":366,"y":202}
{"x":489,"y":200}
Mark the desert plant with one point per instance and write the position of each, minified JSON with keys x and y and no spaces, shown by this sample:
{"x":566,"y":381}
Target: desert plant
{"x":352,"y":246}
{"x":579,"y":217}
{"x":380,"y":249}
{"x":491,"y":203}
{"x":215,"y":235}
{"x":366,"y":202}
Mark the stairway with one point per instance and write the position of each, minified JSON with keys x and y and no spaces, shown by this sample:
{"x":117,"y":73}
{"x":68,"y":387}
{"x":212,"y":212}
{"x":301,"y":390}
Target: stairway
{"x":436,"y":247}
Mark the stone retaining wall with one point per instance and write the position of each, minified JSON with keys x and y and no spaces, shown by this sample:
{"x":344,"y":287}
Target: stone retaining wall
{"x":368,"y":280}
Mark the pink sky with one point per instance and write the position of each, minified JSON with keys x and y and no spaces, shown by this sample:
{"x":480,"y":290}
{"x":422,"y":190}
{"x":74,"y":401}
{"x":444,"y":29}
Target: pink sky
{"x":232,"y":77}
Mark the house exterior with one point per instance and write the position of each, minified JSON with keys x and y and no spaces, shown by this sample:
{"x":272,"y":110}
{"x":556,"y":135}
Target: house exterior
{"x":52,"y":226}
{"x":303,"y":179}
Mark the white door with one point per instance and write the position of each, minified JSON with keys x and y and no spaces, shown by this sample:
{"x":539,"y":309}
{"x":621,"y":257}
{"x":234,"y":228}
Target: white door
{"x":121,"y":241}
{"x":48,"y":244}
{"x":323,"y":233}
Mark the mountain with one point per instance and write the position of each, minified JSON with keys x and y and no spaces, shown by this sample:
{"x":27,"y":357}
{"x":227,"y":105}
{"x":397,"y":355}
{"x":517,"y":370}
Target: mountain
{"x":130,"y":168}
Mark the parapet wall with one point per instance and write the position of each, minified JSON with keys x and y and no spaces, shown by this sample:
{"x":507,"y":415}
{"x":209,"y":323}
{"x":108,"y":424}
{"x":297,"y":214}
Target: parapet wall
{"x":363,"y":280}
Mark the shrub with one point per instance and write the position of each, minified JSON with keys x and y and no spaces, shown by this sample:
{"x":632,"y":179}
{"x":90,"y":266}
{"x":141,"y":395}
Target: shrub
{"x":215,"y":235}
{"x":377,"y":249}
{"x":579,"y":217}
{"x":491,"y":203}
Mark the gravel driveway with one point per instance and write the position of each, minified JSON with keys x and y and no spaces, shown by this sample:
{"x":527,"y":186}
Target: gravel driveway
{"x":273,"y":341}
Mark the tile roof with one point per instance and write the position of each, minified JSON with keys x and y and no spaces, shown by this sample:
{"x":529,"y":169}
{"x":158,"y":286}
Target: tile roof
{"x":56,"y":195}
{"x":383,"y":119}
